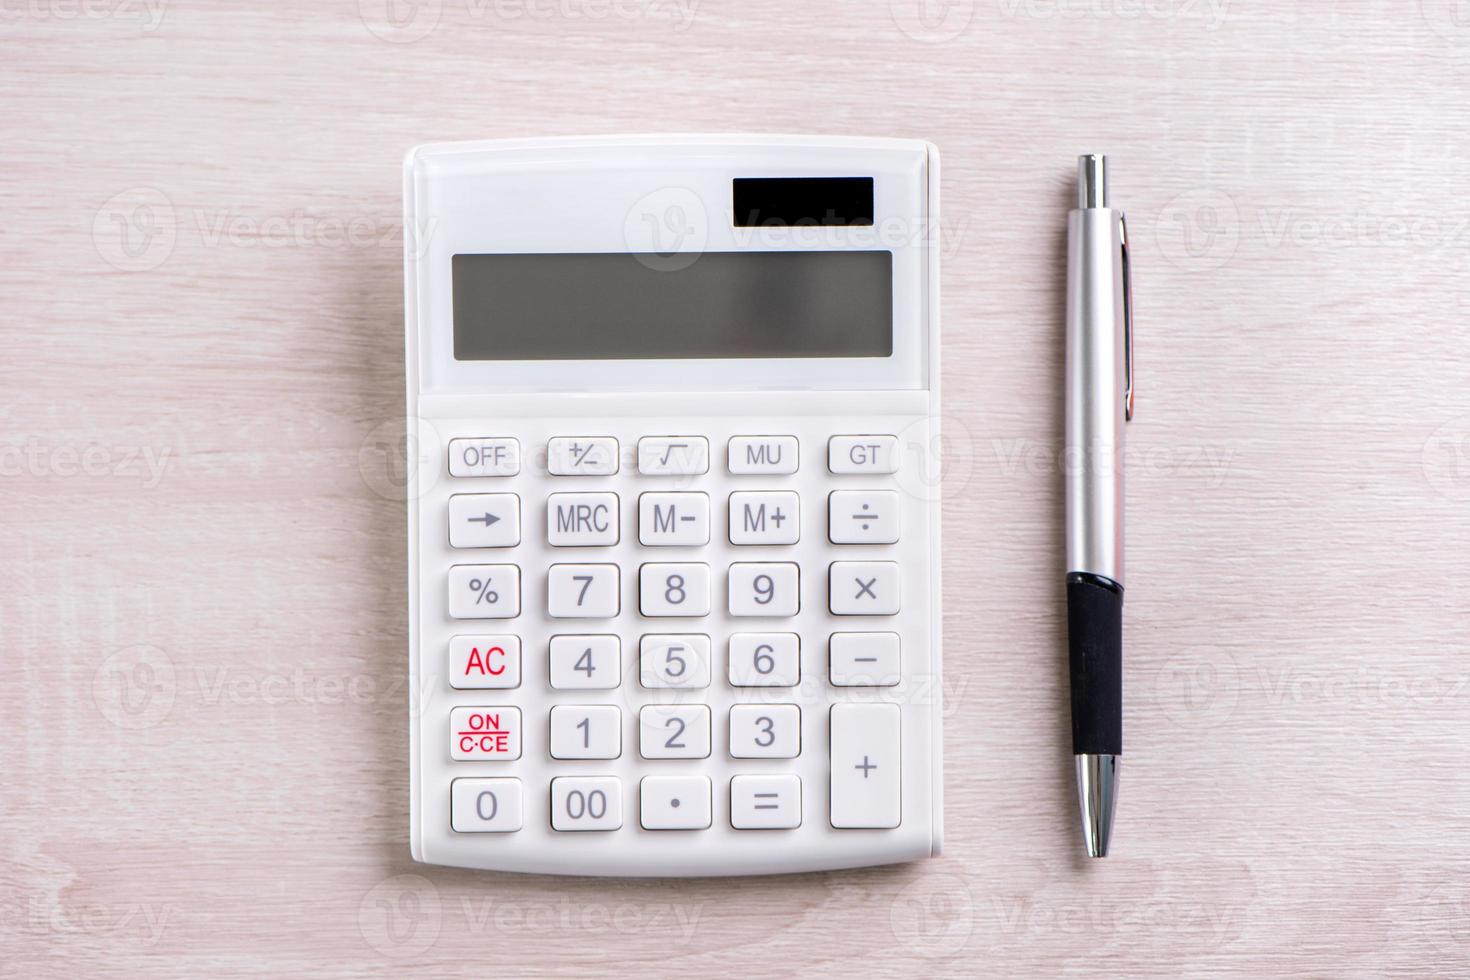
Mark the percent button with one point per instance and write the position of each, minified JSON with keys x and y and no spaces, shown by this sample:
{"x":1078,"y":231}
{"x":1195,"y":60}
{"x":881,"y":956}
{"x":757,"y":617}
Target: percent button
{"x":484,"y":591}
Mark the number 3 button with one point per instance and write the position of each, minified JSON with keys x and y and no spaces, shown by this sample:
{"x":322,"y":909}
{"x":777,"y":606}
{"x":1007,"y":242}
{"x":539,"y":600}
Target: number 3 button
{"x":765,"y":731}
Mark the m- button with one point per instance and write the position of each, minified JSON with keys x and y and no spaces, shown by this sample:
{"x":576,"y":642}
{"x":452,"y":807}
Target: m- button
{"x":862,"y":454}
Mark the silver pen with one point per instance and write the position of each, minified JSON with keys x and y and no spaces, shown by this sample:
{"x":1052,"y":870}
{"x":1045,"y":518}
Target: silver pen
{"x":1099,"y":402}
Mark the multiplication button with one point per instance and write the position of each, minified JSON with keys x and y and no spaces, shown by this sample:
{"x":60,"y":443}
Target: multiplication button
{"x":863,"y":588}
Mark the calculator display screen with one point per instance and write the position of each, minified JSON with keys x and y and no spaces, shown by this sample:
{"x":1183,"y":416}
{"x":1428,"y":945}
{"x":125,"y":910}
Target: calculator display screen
{"x":617,"y":305}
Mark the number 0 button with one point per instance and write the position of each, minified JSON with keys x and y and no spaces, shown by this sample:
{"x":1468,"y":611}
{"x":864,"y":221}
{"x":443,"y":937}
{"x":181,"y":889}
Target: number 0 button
{"x":485,"y":806}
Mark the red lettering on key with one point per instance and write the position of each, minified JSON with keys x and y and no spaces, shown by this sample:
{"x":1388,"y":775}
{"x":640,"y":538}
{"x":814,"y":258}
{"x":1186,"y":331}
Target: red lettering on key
{"x":480,"y":663}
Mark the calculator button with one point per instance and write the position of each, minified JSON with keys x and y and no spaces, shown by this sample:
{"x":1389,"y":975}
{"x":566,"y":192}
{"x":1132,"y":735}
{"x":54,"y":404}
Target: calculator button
{"x":582,"y":456}
{"x":586,"y":803}
{"x":863,"y":659}
{"x":764,"y":455}
{"x":673,"y":519}
{"x":765,"y":518}
{"x":674,"y":803}
{"x":673,"y":589}
{"x":765,"y":731}
{"x":765,"y":660}
{"x":490,"y":734}
{"x":862,"y":454}
{"x":485,"y":806}
{"x":582,"y":520}
{"x":582,"y":591}
{"x":765,"y":588}
{"x":765,"y":802}
{"x":484,"y":457}
{"x":484,"y":520}
{"x":865,"y":784}
{"x":674,"y":660}
{"x":586,"y":731}
{"x":484,"y":662}
{"x":862,"y":516}
{"x":484,"y":591}
{"x":585,"y":663}
{"x":674,"y":731}
{"x":673,"y":455}
{"x":863,"y":588}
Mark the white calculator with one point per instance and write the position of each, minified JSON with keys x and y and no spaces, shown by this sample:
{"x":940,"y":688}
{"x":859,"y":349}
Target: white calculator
{"x":673,"y":523}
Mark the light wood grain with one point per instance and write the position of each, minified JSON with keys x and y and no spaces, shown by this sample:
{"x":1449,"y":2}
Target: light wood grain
{"x":1295,"y":799}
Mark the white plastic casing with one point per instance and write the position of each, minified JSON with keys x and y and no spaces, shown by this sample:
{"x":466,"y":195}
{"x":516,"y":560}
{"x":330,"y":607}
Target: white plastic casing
{"x":645,"y":194}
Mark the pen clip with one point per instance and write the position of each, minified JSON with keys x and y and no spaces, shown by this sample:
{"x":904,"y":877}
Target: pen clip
{"x":1127,"y":321}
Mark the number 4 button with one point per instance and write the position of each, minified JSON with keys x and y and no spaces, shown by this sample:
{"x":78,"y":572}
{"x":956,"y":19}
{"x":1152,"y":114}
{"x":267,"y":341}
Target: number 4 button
{"x":585,"y":663}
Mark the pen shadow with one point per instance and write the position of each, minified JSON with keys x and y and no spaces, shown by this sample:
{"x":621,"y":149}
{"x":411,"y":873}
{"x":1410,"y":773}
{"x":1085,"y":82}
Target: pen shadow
{"x":1066,"y":200}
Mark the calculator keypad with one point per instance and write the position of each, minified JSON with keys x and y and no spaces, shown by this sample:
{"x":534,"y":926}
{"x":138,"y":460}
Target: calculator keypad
{"x":691,"y":655}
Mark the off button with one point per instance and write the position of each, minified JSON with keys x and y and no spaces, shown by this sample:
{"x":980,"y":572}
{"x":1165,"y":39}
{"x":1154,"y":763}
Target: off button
{"x":862,"y":454}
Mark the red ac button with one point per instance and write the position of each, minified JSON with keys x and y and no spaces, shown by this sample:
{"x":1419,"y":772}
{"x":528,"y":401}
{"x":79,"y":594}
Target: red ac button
{"x":481,"y":662}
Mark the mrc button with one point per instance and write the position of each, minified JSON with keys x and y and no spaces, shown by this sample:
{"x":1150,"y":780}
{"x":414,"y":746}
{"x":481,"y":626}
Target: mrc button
{"x":863,"y":454}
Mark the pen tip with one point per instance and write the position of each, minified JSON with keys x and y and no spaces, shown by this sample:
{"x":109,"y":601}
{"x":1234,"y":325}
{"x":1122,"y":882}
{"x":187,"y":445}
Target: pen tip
{"x":1097,"y":795}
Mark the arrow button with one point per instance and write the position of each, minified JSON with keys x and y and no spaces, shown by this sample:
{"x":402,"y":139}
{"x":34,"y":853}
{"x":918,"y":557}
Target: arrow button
{"x":484,"y":520}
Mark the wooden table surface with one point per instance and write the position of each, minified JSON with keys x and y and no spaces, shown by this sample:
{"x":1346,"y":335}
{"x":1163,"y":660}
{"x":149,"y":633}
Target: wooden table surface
{"x":204,"y":763}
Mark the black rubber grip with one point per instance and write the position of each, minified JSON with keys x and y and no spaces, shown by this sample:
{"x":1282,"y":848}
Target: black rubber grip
{"x":1095,"y":649}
